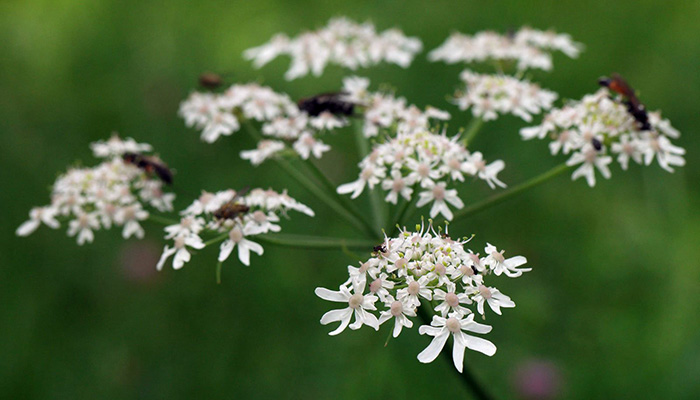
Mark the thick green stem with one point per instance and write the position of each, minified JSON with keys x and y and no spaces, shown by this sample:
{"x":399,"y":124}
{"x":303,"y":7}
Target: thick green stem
{"x":466,"y":376}
{"x":218,"y":271}
{"x":506,"y":194}
{"x":216,"y":239}
{"x":331,"y":188}
{"x":472,"y":130}
{"x":162,"y":220}
{"x":361,"y":225}
{"x":374,"y":194}
{"x":314,"y":242}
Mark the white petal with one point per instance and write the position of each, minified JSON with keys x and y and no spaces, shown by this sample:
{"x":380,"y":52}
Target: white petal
{"x":433,"y":350}
{"x":330,"y":295}
{"x":480,"y":345}
{"x":226,"y":249}
{"x":27,"y":227}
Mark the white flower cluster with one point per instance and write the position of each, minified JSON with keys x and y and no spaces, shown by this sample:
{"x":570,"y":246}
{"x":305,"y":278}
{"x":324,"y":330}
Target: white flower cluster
{"x":425,"y":161}
{"x":342,"y":42}
{"x":491,"y":95}
{"x":528,"y":48}
{"x":218,"y":115}
{"x":425,"y":268}
{"x":384,"y":110}
{"x":113,"y":193}
{"x":234,"y":216}
{"x":598,"y":126}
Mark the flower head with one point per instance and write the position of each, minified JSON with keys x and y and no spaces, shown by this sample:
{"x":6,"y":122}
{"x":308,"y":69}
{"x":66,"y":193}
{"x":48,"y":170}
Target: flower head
{"x":600,"y":128}
{"x":234,"y":217}
{"x":342,"y":42}
{"x":424,"y":268}
{"x":528,"y":48}
{"x":425,"y":163}
{"x":112,"y":193}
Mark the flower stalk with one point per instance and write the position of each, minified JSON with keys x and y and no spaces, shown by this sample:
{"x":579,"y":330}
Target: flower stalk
{"x":507,"y":194}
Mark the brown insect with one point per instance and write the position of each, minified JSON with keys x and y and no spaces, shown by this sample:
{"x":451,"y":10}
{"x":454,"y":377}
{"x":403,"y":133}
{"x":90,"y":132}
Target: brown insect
{"x":330,"y":102}
{"x":210,"y":80}
{"x":635,"y":108}
{"x":232,"y":209}
{"x":151,"y":165}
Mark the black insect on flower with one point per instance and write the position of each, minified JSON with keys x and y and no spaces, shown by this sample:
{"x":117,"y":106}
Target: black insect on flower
{"x":150,"y":164}
{"x":326,"y":102}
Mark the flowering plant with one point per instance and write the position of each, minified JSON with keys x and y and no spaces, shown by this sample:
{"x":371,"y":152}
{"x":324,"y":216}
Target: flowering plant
{"x":409,"y":159}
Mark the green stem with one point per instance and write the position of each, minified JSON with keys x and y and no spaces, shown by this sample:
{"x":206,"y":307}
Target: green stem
{"x":331,"y":188}
{"x":375,"y":196}
{"x":312,"y":187}
{"x":360,"y":224}
{"x":216,"y":239}
{"x":472,"y":130}
{"x":218,"y":272}
{"x":162,"y":220}
{"x":314,"y":242}
{"x":466,"y":376}
{"x":506,"y":194}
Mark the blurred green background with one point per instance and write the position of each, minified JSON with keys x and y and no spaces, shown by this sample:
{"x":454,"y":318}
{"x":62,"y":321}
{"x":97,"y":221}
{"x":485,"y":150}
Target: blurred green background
{"x":611,"y":307}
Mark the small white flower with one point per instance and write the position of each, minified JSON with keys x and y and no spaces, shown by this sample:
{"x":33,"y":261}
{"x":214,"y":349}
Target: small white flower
{"x":501,"y":265}
{"x":182,"y":255}
{"x":400,"y":311}
{"x":357,"y":304}
{"x":83,"y":226}
{"x":307,"y":146}
{"x":440,"y":196}
{"x":492,"y":296}
{"x":589,"y":158}
{"x":441,"y":328}
{"x":245,"y":246}
{"x":450,"y":301}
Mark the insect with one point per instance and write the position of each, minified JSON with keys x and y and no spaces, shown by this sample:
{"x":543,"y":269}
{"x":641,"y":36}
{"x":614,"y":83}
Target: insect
{"x":597,"y":145}
{"x":232,"y":209}
{"x":635,"y":108}
{"x":330,"y":102}
{"x":210,"y":80}
{"x":151,"y":165}
{"x":379,"y":248}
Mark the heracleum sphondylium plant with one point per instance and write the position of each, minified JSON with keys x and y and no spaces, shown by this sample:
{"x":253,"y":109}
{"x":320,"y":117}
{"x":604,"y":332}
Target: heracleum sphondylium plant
{"x":407,"y":160}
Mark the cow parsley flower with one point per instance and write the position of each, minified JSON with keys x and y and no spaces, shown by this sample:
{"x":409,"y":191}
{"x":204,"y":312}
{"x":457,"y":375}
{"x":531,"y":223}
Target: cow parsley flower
{"x":342,"y":42}
{"x":234,"y":217}
{"x":384,"y":110}
{"x":425,"y":163}
{"x":424,"y":268}
{"x":599,"y":129}
{"x":491,"y":95}
{"x":528,"y":48}
{"x":285,"y":125}
{"x":113,"y":193}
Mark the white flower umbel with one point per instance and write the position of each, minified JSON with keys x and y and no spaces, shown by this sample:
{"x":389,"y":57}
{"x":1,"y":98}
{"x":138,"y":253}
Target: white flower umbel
{"x":342,"y":42}
{"x":382,"y":111}
{"x":527,"y":48}
{"x":425,"y":268}
{"x":218,"y":114}
{"x":425,"y":163}
{"x":491,"y":95}
{"x":598,"y":128}
{"x":113,"y":193}
{"x":234,"y":218}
